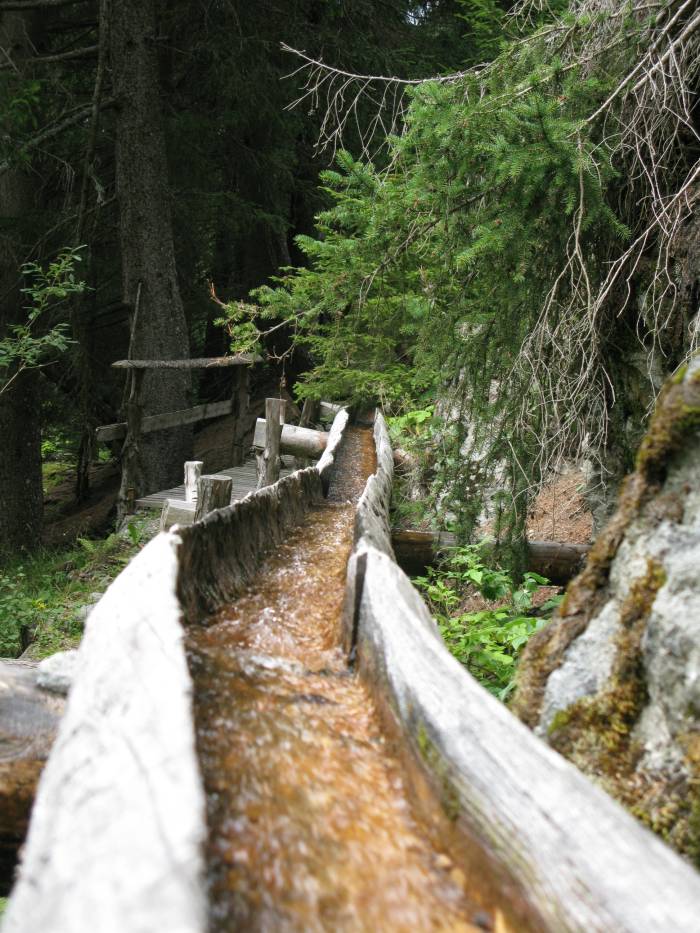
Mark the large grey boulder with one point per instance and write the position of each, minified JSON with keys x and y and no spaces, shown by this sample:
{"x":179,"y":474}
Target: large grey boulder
{"x":614,"y":681}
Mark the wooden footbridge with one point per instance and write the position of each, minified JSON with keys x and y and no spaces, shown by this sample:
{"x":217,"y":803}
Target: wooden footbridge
{"x":225,"y":759}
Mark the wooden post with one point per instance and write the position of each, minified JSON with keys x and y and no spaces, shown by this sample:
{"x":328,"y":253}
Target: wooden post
{"x":213,"y":492}
{"x":269,"y":463}
{"x":309,"y":413}
{"x":130,"y":452}
{"x":193,"y":471}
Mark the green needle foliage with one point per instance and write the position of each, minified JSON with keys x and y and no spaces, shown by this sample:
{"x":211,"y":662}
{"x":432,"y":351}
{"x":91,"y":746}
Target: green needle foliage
{"x":496,"y":260}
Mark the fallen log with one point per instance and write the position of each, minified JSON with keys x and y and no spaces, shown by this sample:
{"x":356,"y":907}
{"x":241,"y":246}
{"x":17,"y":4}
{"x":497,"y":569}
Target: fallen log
{"x":29,"y":718}
{"x":295,"y":441}
{"x":416,"y":550}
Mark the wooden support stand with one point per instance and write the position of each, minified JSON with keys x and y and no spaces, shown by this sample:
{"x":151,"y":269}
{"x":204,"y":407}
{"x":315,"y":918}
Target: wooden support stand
{"x":193,"y":473}
{"x":269,"y":463}
{"x":213,"y":492}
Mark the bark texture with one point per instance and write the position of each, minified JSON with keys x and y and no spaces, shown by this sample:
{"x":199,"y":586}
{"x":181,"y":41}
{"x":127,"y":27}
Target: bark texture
{"x":21,"y":495}
{"x":149,"y":275}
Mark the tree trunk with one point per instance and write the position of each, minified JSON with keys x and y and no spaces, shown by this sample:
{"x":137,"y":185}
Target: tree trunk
{"x":149,"y":275}
{"x":21,"y":501}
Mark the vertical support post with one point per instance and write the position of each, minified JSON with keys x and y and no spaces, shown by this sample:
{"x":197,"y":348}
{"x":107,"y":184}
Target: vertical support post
{"x":213,"y":492}
{"x":309,"y":413}
{"x":130,"y":452}
{"x":269,"y":464}
{"x":193,"y":470}
{"x":241,"y":415}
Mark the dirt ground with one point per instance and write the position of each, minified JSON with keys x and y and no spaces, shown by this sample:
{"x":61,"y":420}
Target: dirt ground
{"x":559,"y":512}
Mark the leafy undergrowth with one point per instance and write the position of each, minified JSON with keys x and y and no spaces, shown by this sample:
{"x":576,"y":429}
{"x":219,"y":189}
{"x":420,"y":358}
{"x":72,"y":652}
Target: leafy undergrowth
{"x":44,"y":599}
{"x":489,"y":640}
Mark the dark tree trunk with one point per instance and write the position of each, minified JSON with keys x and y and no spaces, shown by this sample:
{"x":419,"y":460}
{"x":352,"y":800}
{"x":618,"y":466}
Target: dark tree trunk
{"x":21,"y":495}
{"x":149,"y":276}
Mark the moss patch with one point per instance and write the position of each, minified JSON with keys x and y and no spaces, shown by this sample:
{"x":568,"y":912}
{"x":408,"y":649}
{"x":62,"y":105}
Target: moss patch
{"x":449,"y":797}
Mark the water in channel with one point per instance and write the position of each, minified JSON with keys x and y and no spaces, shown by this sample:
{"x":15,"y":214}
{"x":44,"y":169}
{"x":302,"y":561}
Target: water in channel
{"x":310,"y":827}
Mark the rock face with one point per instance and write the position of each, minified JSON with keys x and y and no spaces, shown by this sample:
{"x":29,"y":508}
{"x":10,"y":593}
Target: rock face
{"x":613,"y":683}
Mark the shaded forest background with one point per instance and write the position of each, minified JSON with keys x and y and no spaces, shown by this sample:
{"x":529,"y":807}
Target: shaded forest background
{"x":509,"y":264}
{"x":155,"y":138}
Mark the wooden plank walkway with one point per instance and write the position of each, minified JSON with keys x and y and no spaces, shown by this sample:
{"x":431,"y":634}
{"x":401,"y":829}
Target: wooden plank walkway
{"x":245,"y":480}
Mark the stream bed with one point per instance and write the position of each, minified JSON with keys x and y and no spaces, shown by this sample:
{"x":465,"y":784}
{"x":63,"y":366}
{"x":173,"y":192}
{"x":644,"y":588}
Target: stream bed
{"x":310,"y":822}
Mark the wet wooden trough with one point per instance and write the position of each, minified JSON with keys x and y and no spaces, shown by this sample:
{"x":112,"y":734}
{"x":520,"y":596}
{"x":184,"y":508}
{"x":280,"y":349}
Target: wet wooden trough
{"x":118,"y":833}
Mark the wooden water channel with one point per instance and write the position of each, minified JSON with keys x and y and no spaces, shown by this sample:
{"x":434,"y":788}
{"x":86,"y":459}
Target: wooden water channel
{"x":240,"y":752}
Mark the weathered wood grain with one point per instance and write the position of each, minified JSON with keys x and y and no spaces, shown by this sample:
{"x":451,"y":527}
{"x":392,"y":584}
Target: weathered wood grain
{"x":269,"y":463}
{"x":244,"y":477}
{"x":117,"y":831}
{"x":193,"y":471}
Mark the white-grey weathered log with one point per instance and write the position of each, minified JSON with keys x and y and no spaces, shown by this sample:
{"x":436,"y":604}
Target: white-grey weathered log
{"x":167,"y":419}
{"x":117,"y":837}
{"x":581,"y":862}
{"x":269,"y":463}
{"x":213,"y":492}
{"x":295,"y":441}
{"x":333,"y":439}
{"x":571,"y":857}
{"x":117,"y":832}
{"x":176,"y":512}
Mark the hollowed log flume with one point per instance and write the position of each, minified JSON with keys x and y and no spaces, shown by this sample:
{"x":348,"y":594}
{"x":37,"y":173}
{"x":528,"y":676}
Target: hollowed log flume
{"x":374,"y":788}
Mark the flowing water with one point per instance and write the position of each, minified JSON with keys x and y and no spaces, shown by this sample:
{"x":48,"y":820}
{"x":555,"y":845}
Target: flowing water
{"x":310,"y":826}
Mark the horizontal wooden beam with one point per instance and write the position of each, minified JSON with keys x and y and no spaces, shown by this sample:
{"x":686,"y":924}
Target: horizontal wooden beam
{"x":206,"y":362}
{"x":168,"y":419}
{"x":295,"y":441}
